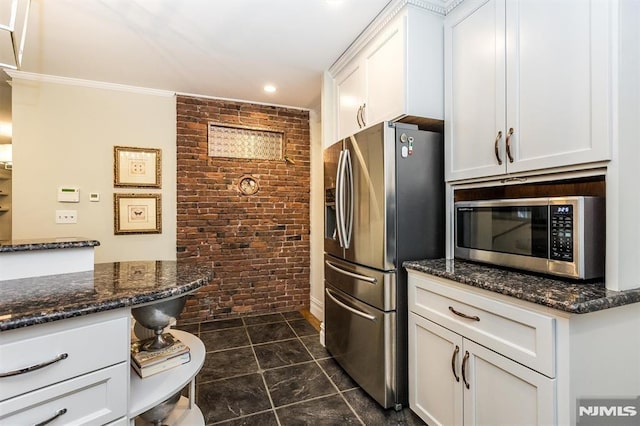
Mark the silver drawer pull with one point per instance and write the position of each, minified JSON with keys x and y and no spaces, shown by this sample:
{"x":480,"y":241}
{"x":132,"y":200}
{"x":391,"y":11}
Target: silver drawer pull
{"x":351,"y":274}
{"x":460,"y":314}
{"x":55,"y":416}
{"x":34,"y":367}
{"x":349,"y":308}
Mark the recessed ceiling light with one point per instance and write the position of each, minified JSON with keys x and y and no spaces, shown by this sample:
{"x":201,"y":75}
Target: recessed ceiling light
{"x":270,"y":88}
{"x":334,"y":2}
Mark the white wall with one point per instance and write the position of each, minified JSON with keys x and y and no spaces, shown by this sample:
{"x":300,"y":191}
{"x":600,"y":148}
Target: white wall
{"x":64,"y":132}
{"x":316,"y":273}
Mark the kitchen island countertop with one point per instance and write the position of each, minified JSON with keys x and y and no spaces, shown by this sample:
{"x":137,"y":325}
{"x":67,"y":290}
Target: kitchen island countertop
{"x":7,"y":246}
{"x":565,"y":295}
{"x":30,"y":301}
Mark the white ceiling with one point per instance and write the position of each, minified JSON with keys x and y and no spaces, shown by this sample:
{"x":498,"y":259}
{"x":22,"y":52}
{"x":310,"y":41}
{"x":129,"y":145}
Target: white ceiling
{"x":220,"y":48}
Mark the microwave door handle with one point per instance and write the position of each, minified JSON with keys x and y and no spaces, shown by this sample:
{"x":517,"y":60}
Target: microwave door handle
{"x":350,"y":195}
{"x":349,"y":308}
{"x":351,"y":274}
{"x":339,"y":209}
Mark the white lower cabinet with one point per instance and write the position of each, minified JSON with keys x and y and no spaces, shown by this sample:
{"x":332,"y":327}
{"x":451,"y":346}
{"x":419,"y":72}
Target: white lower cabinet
{"x":525,"y":364}
{"x":91,"y":399}
{"x":70,"y":372}
{"x":76,"y":372}
{"x":435,"y":387}
{"x":455,"y":381}
{"x":478,"y":361}
{"x":503,"y":392}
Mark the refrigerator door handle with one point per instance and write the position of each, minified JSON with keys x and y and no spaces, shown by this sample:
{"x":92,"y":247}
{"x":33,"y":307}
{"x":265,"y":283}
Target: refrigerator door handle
{"x":339,"y":197}
{"x":349,"y":175}
{"x":349,"y":308}
{"x":350,"y":274}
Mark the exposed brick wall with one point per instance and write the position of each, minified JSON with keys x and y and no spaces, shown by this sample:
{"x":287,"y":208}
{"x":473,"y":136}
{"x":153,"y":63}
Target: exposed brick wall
{"x":259,"y":244}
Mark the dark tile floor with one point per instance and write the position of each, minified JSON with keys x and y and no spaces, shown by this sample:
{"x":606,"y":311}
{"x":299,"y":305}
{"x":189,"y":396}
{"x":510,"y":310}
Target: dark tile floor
{"x":272,"y":370}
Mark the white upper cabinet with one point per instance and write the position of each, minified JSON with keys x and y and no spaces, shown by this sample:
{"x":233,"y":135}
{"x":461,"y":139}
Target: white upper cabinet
{"x":394,"y":69}
{"x":350,"y":90}
{"x":527,"y":87}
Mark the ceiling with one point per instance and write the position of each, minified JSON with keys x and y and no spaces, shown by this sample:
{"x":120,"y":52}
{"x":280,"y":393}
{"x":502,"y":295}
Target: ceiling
{"x":219,"y":48}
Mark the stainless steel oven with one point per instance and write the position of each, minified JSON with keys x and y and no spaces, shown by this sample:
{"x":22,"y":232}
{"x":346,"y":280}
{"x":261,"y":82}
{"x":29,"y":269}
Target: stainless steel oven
{"x":562,"y":236}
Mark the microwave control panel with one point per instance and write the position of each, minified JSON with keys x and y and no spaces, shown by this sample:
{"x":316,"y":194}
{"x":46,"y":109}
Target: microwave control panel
{"x":561,"y":232}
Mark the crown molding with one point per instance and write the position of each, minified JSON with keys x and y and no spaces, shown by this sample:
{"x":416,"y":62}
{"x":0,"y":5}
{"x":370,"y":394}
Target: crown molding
{"x":395,"y":7}
{"x":244,"y":101}
{"x":22,"y":75}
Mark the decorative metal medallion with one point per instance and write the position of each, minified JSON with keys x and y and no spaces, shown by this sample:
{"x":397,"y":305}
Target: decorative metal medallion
{"x":248,"y":185}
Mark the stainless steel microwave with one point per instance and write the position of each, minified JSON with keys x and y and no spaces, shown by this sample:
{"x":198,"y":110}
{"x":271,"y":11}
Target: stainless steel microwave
{"x":562,"y":236}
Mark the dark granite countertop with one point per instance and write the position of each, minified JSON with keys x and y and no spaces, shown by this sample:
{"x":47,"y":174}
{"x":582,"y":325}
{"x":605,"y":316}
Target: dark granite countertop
{"x":565,"y":295}
{"x":37,"y":300}
{"x":45,"y":244}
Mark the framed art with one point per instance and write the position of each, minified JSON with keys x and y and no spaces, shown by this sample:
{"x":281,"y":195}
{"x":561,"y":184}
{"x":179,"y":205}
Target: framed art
{"x":137,"y":167}
{"x":137,"y":214}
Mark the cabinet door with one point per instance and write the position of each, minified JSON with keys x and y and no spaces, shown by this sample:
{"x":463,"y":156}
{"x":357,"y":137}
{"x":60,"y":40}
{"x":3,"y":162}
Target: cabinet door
{"x":385,"y":65}
{"x":92,"y":399}
{"x":557,"y":82}
{"x":435,"y":391}
{"x":503,"y":392}
{"x":475,"y":90}
{"x":350,"y":97}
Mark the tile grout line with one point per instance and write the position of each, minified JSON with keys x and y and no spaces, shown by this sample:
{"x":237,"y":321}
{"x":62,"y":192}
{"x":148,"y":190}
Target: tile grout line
{"x":260,"y":372}
{"x":299,"y":338}
{"x":222,"y":422}
{"x":333,"y":383}
{"x":340,"y":392}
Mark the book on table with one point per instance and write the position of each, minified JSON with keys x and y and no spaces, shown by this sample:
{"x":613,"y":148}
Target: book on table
{"x":147,"y":363}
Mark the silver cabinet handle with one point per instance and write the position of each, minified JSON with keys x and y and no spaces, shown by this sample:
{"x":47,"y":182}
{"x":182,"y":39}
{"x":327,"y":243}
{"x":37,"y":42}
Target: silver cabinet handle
{"x":464,"y":368}
{"x":349,"y":308}
{"x":55,"y":416}
{"x":460,"y":314}
{"x":509,"y":134}
{"x":358,"y":117}
{"x":34,"y":367}
{"x":453,"y":362}
{"x":364,"y":106}
{"x":351,"y":274}
{"x":495,"y":147}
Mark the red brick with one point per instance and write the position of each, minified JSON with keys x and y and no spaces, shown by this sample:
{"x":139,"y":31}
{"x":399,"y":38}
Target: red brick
{"x":259,"y":244}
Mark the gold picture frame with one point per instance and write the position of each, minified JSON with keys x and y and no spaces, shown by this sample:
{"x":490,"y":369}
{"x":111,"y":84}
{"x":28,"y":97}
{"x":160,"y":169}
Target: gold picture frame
{"x":137,"y":167}
{"x":137,"y":214}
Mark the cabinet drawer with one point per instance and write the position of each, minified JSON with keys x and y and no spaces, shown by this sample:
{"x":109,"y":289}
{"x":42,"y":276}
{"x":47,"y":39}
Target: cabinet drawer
{"x":524,"y":336}
{"x":93,"y":399}
{"x":88,"y":347}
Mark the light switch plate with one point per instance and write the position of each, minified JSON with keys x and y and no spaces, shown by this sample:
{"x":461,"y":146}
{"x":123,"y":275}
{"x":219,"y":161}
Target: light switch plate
{"x":66,"y":216}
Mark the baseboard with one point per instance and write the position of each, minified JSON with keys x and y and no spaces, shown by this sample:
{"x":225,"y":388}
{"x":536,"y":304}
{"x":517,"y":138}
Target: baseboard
{"x":317,"y":308}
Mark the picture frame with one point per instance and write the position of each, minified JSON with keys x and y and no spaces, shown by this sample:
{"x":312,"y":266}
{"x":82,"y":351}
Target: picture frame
{"x":137,"y":214}
{"x":137,"y":167}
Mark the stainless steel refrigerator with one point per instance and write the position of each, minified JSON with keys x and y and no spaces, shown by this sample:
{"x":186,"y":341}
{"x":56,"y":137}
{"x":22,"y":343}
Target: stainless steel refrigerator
{"x":384,"y":204}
